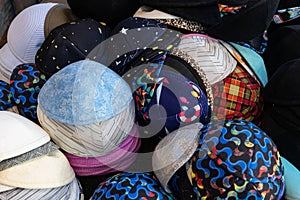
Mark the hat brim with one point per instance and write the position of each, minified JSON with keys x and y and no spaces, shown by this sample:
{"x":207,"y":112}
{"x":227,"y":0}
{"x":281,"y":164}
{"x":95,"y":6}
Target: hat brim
{"x":8,"y":61}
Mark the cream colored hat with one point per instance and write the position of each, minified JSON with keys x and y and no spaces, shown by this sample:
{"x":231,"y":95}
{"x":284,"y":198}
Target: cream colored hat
{"x":48,"y":171}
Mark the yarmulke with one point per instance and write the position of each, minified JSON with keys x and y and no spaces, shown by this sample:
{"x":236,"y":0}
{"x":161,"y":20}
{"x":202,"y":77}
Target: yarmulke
{"x":131,"y":186}
{"x":176,"y":101}
{"x":19,"y":135}
{"x":84,"y":92}
{"x":234,"y":159}
{"x":48,"y":171}
{"x":26,"y":82}
{"x":69,"y":43}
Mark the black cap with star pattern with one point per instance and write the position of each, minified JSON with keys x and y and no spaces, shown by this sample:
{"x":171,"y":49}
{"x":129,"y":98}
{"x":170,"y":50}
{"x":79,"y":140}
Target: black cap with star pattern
{"x":69,"y":43}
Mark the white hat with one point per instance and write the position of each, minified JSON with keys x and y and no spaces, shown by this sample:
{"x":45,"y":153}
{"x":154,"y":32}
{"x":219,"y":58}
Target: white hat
{"x":27,"y":32}
{"x":209,"y":53}
{"x":47,"y":171}
{"x":19,"y":135}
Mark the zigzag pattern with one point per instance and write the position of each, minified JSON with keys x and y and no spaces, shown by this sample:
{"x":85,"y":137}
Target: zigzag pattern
{"x":210,"y":55}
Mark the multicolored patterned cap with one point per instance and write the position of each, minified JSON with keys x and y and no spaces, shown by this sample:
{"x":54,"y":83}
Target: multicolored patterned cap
{"x":69,"y":43}
{"x":131,"y":186}
{"x":172,"y":101}
{"x":26,"y":82}
{"x":235,"y":159}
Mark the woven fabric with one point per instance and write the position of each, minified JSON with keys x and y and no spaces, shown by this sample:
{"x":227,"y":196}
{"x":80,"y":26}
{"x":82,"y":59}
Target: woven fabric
{"x":238,"y":97}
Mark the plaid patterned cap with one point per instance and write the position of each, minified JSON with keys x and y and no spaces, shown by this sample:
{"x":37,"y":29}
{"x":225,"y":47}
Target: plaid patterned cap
{"x":26,"y":82}
{"x":238,"y":96}
{"x":131,"y":186}
{"x":69,"y":43}
{"x":237,"y":160}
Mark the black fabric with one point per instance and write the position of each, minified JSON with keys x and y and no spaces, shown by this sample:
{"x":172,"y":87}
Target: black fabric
{"x":248,"y":23}
{"x":282,"y":89}
{"x":110,"y":12}
{"x":205,"y":12}
{"x":288,"y":4}
{"x":281,"y":115}
{"x":283,"y":46}
{"x":275,"y":122}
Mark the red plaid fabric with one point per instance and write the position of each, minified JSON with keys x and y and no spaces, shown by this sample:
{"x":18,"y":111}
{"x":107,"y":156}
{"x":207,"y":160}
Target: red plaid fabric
{"x":238,"y":97}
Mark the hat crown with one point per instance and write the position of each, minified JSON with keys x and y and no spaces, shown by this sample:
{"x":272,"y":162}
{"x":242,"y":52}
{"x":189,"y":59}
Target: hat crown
{"x":19,"y":135}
